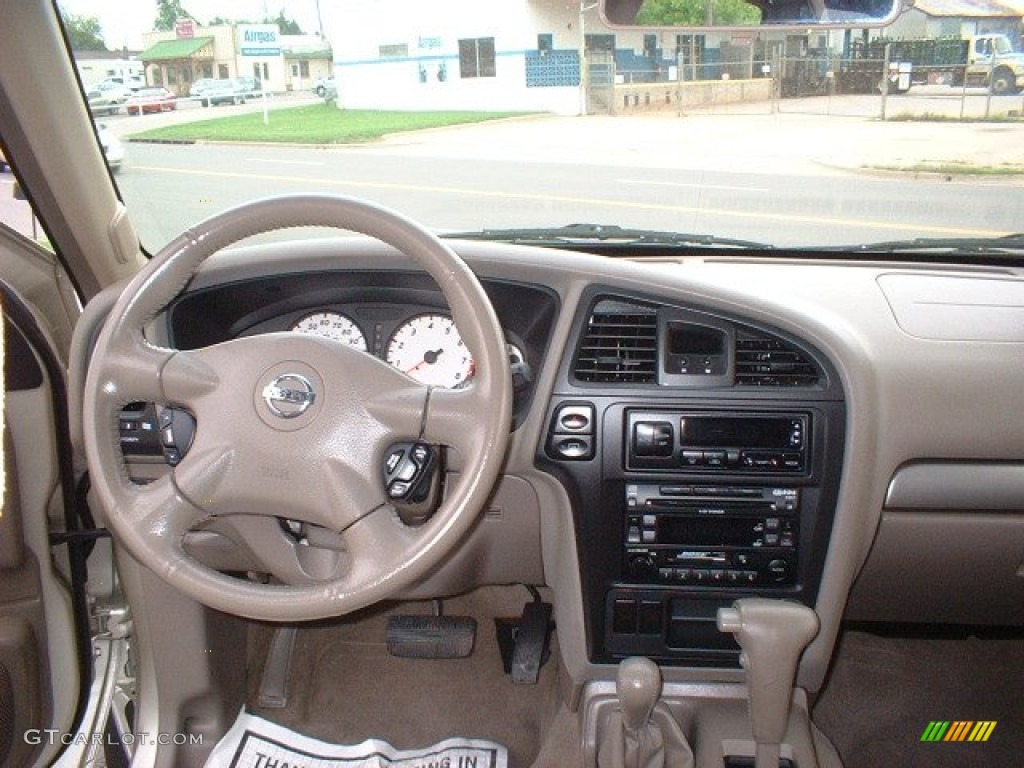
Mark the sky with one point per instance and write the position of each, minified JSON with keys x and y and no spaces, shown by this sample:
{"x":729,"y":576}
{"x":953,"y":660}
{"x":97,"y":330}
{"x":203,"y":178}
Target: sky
{"x":124,"y":21}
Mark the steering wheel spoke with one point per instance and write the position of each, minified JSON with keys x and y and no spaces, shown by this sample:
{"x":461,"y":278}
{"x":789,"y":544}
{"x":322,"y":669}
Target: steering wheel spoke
{"x":160,"y":515}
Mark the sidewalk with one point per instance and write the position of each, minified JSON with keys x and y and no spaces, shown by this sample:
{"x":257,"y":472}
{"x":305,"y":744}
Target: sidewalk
{"x":782,"y":143}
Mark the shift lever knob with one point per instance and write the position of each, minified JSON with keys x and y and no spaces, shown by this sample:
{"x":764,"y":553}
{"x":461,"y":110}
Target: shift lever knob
{"x":639,"y":688}
{"x":772,"y":634}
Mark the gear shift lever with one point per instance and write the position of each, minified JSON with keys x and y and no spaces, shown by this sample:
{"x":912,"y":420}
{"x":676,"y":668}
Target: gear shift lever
{"x":642,"y":734}
{"x":638,"y":686}
{"x":772,"y":634}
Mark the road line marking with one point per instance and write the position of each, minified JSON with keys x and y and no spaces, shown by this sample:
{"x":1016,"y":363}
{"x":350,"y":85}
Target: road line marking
{"x":537,"y":197}
{"x":764,"y":190}
{"x":282,"y":162}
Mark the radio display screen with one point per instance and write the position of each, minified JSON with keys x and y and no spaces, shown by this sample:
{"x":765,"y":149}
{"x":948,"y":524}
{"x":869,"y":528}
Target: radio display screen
{"x":737,"y":431}
{"x":685,"y":530}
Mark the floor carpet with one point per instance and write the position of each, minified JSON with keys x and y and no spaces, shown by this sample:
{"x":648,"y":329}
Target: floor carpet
{"x":885,"y":688}
{"x":345,"y":687}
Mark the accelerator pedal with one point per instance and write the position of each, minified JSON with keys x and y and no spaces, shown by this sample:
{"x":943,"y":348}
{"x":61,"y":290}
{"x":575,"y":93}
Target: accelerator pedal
{"x":431,"y":637}
{"x":532,"y":640}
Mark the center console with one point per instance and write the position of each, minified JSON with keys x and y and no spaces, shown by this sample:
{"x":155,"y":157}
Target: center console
{"x":697,"y":483}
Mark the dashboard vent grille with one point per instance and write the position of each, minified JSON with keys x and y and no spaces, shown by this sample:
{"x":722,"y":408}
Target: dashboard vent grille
{"x":763,"y":360}
{"x":619,"y":345}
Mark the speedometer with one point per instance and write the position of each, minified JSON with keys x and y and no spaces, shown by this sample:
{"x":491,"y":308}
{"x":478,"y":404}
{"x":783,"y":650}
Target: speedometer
{"x":429,"y":349}
{"x":332,"y":325}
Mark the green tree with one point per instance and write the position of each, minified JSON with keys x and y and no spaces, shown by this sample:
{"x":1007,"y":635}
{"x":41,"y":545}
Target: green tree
{"x":168,"y":12}
{"x":84,"y":32}
{"x":694,"y":13}
{"x":286,"y":25}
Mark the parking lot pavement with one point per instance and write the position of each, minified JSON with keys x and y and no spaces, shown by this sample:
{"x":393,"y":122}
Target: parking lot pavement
{"x":189,"y":110}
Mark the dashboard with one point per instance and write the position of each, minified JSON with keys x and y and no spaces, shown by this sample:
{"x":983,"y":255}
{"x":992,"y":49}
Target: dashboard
{"x":689,"y":431}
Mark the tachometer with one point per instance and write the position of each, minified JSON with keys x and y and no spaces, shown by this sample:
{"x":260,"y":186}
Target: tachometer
{"x":429,"y":348}
{"x":332,"y":325}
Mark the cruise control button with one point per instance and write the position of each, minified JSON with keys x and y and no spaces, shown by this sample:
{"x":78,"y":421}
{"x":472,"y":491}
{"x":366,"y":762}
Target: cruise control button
{"x":393,"y":459}
{"x":398,"y":489}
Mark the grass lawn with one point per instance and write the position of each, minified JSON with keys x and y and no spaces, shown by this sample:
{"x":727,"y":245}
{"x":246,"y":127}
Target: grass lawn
{"x":316,"y":124}
{"x":955,"y":169}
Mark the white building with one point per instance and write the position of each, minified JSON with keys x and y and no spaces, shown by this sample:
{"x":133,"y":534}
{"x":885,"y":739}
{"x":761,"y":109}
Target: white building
{"x":96,"y":66}
{"x":460,"y":54}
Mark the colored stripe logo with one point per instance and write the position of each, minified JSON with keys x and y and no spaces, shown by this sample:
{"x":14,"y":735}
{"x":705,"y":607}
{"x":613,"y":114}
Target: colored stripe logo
{"x":958,"y":730}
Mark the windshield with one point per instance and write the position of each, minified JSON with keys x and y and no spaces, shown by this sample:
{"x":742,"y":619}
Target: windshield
{"x":534,"y":114}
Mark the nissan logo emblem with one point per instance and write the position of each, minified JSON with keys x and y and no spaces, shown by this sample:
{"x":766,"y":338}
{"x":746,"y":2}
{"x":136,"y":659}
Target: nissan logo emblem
{"x":289,"y":395}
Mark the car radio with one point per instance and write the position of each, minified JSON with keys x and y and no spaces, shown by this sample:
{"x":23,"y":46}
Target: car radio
{"x":715,"y":536}
{"x":712,"y":442}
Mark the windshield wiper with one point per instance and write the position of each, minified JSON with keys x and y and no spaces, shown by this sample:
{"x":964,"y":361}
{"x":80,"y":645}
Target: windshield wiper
{"x":584,"y":234}
{"x":985,"y":246}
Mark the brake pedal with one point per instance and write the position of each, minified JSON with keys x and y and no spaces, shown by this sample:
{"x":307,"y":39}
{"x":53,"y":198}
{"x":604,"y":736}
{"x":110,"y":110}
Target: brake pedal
{"x":431,"y":637}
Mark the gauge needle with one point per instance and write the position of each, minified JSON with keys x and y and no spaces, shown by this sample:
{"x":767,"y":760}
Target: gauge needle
{"x":429,"y":358}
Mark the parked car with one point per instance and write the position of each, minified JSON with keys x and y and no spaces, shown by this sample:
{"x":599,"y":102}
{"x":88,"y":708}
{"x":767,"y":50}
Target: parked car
{"x":113,"y":90}
{"x":231,"y":91}
{"x":322,"y":85}
{"x":200,"y":86}
{"x":103,"y":102}
{"x":249,"y":85}
{"x":113,"y":149}
{"x":155,"y":99}
{"x":131,"y":83}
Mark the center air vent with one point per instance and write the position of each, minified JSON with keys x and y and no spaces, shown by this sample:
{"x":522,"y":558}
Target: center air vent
{"x":619,"y":345}
{"x":764,"y":360}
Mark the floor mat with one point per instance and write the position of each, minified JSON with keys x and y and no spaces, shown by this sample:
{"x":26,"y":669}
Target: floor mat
{"x":884,"y":691}
{"x":254,"y":742}
{"x":345,"y":687}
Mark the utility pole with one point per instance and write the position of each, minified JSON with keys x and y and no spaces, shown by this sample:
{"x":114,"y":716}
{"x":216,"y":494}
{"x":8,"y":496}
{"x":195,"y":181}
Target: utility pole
{"x":584,"y":70}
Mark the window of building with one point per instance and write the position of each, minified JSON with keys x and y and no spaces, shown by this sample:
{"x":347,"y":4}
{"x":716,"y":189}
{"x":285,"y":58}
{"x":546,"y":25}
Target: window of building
{"x":207,"y":70}
{"x":222,"y":71}
{"x":599,"y":42}
{"x":398,"y":51}
{"x":172,"y":75}
{"x":303,"y":69}
{"x":476,"y":57}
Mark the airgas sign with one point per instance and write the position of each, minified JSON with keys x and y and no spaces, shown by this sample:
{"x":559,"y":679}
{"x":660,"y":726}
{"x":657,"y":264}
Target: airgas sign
{"x":259,"y":40}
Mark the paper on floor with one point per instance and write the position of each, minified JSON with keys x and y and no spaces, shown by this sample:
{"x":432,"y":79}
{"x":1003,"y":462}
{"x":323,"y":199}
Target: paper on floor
{"x":254,"y":742}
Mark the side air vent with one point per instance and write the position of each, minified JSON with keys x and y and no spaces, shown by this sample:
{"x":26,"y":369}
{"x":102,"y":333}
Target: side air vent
{"x":619,"y":345}
{"x":763,"y":360}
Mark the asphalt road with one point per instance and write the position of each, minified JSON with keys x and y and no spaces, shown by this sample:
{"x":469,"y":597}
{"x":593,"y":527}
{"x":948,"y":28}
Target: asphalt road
{"x":450,"y":187}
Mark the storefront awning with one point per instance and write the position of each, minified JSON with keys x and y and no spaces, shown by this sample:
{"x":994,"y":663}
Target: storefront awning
{"x":176,"y":49}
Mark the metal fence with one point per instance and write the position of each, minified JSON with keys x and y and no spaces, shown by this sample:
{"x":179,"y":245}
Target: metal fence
{"x":828,"y":84}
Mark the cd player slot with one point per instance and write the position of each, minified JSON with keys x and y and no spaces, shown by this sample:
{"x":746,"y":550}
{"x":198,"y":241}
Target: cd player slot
{"x":734,"y":536}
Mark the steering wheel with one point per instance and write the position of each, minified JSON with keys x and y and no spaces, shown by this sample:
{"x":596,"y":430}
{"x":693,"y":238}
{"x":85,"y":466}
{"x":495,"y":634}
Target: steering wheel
{"x":293,"y":426}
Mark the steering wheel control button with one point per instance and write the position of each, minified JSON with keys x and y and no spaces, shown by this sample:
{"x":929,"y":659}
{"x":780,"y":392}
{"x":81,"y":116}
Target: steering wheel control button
{"x":398,"y":489}
{"x":412,"y":480}
{"x":289,"y":395}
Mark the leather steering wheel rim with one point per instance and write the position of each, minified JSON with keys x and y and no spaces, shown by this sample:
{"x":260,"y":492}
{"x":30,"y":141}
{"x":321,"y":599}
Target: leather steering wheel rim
{"x":323,"y":467}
